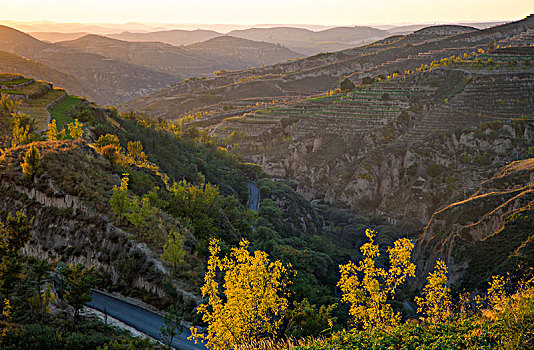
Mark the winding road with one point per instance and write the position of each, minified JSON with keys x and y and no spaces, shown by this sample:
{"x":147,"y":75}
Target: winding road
{"x":139,"y":318}
{"x":254,"y":199}
{"x":145,"y":320}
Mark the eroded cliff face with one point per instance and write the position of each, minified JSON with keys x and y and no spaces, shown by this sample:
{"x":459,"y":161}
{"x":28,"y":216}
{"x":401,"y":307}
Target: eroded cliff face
{"x":406,"y":183}
{"x":72,"y":230}
{"x":68,"y":231}
{"x":487,"y":233}
{"x":403,"y":148}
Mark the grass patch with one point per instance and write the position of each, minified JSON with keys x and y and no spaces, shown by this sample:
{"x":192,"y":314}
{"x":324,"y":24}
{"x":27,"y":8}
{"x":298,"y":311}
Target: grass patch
{"x":59,"y":112}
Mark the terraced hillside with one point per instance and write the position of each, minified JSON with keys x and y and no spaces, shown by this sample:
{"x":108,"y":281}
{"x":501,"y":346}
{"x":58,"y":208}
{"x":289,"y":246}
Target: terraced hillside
{"x":10,"y":62}
{"x":403,"y":146}
{"x":38,"y":99}
{"x":323,"y":72}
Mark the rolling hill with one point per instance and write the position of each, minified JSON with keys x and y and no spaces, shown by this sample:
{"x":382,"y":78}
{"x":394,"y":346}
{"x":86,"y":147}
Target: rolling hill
{"x":255,"y":88}
{"x":185,"y":61}
{"x":242,"y":52}
{"x":53,"y":37}
{"x":111,"y":80}
{"x":153,"y":55}
{"x":12,"y":63}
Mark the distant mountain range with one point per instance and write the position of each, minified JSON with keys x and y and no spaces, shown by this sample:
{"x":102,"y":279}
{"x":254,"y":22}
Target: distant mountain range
{"x":304,"y":41}
{"x":173,"y":37}
{"x":310,"y":42}
{"x":111,"y":71}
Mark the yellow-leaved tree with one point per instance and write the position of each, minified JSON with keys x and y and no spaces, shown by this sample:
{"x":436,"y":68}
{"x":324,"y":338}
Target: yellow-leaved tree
{"x":76,"y":129}
{"x":32,"y":160}
{"x":436,"y":304}
{"x":248,"y":304}
{"x":53,"y":134}
{"x":368,"y":296}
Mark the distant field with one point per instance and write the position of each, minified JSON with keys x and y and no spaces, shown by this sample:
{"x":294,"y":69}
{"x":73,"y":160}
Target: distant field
{"x":4,"y":76}
{"x":15,"y":82}
{"x":59,"y":112}
{"x":13,"y":92}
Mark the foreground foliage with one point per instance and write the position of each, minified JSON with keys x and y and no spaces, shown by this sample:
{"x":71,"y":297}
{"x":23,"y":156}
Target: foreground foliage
{"x":368,"y":296}
{"x":252,"y":303}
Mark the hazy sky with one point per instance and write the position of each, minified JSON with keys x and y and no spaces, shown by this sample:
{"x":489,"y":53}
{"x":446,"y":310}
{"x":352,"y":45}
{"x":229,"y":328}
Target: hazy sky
{"x":328,"y":12}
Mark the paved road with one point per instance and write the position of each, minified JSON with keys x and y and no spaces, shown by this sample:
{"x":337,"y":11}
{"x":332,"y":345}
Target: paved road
{"x":141,"y":319}
{"x":254,"y":199}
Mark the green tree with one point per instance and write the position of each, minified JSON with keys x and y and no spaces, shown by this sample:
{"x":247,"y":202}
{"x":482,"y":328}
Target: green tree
{"x":172,"y":325}
{"x":196,"y":204}
{"x":32,"y":160}
{"x":120,"y":204}
{"x":173,"y":250}
{"x":78,"y":282}
{"x":8,"y":108}
{"x":106,"y":140}
{"x":306,"y":320}
{"x":14,"y":235}
{"x":347,"y":85}
{"x":41,"y":303}
{"x":251,"y":304}
{"x":126,"y":268}
{"x":367,"y":80}
{"x":140,"y":214}
{"x":111,"y":153}
{"x":75,"y":129}
{"x":368,"y":296}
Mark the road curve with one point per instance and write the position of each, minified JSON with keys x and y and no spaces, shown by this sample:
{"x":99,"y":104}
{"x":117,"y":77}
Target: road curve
{"x":254,"y":196}
{"x":139,"y":318}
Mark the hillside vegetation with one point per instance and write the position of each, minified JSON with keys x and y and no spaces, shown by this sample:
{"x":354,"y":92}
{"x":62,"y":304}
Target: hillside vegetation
{"x":116,"y":192}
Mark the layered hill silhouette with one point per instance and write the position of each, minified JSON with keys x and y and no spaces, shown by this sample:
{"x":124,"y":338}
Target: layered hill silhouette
{"x":312,"y":42}
{"x":172,"y":37}
{"x":108,"y":80}
{"x":193,"y":60}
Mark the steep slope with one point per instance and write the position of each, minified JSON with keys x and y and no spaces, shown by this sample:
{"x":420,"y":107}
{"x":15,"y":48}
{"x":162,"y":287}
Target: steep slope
{"x":171,"y":37}
{"x":485,"y":234}
{"x":185,"y":184}
{"x":320,"y":73}
{"x":115,"y":81}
